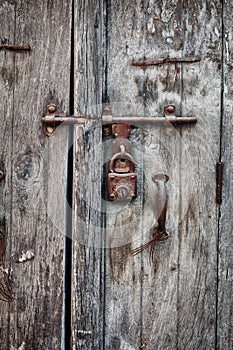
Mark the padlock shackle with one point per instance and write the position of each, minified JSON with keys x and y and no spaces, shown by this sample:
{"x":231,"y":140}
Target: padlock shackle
{"x":120,"y":155}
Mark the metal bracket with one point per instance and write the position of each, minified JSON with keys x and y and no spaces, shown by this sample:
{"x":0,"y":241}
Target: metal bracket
{"x":122,"y":181}
{"x":52,"y":119}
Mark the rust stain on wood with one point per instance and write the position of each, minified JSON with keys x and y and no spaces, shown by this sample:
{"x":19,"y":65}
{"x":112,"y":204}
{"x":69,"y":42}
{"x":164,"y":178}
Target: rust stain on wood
{"x":15,"y":47}
{"x":161,"y":61}
{"x":219,"y":170}
{"x":118,"y":260}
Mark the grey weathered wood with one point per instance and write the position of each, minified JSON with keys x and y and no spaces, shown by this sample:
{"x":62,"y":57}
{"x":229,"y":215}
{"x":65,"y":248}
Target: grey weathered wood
{"x":201,"y":97}
{"x":34,"y":205}
{"x":225,"y":253}
{"x":159,"y":293}
{"x":88,"y":220}
{"x":123,"y":303}
{"x":133,"y":286}
{"x":170,"y":304}
{"x":184,"y":299}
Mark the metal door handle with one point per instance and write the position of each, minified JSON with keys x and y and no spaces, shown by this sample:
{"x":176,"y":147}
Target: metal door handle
{"x":160,"y":180}
{"x":159,"y":233}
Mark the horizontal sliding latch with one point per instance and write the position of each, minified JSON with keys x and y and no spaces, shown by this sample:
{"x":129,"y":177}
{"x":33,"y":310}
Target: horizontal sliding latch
{"x":52,"y":119}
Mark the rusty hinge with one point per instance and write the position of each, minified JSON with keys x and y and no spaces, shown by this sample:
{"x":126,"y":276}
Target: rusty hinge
{"x":219,"y":169}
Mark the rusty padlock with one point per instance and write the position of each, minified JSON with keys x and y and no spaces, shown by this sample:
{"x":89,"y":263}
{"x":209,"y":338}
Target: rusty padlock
{"x":121,"y":178}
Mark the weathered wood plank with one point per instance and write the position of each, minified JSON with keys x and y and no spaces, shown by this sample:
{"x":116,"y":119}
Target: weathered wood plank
{"x":225,"y":253}
{"x":133,"y":296}
{"x":149,"y":305}
{"x":37,"y":173}
{"x":162,"y":87}
{"x":6,"y":83}
{"x":201,"y":97}
{"x":88,"y":219}
{"x":123,"y":303}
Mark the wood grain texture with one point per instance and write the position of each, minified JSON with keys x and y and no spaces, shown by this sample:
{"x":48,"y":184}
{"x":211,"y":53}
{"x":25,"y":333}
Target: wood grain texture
{"x":88,"y":219}
{"x":118,"y":301}
{"x":35,"y":169}
{"x":137,"y":300}
{"x":198,"y":232}
{"x":163,"y":87}
{"x":6,"y":82}
{"x":225,"y":253}
{"x":172,"y":303}
{"x":124,"y":224}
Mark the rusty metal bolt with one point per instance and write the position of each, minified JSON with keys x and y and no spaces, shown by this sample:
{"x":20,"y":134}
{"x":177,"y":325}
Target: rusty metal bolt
{"x":169,"y":109}
{"x":107,"y":131}
{"x":49,"y":130}
{"x":112,"y":196}
{"x":51,"y":109}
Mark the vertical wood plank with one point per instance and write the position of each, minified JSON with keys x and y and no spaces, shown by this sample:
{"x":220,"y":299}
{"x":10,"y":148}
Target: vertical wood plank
{"x":225,"y":253}
{"x":88,"y":220}
{"x":162,"y":87}
{"x":201,"y":97}
{"x":171,"y":304}
{"x":6,"y":83}
{"x":123,"y":304}
{"x":37,"y":179}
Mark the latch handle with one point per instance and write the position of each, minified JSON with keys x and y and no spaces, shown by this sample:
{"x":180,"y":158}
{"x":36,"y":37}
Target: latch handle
{"x":160,"y":181}
{"x":52,"y":119}
{"x":159,"y":233}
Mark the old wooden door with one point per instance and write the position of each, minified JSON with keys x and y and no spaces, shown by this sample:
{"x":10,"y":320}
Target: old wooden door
{"x":67,"y":247}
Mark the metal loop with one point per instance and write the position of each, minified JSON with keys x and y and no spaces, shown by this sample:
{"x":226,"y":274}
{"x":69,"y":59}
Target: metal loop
{"x":122,"y":148}
{"x":118,"y":156}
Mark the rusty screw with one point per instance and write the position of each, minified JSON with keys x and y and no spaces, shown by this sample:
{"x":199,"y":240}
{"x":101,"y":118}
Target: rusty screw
{"x":107,"y":131}
{"x":112,"y":196}
{"x":169,"y":110}
{"x":51,"y":109}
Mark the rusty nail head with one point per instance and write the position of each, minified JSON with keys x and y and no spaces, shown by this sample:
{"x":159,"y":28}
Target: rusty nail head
{"x":169,"y":110}
{"x":51,"y":109}
{"x":107,"y":131}
{"x":121,"y":130}
{"x":49,"y":130}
